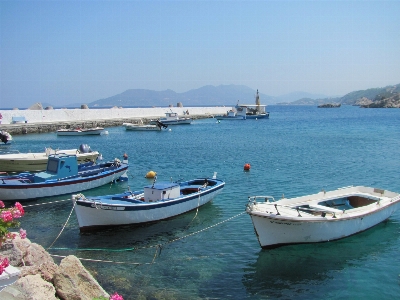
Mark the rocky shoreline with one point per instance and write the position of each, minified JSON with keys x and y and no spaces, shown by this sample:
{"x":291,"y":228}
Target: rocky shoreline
{"x":41,"y":278}
{"x":26,"y":128}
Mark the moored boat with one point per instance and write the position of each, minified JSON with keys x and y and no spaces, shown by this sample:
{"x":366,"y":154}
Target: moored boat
{"x":63,"y":176}
{"x":321,"y":217}
{"x":172,"y":118}
{"x":30,"y":162}
{"x":80,"y":131}
{"x":155,"y":202}
{"x":231,"y":115}
{"x":246,"y":111}
{"x":144,"y":127}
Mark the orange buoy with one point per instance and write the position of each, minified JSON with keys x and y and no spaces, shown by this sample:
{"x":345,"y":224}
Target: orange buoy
{"x":246,"y":167}
{"x":151,"y":174}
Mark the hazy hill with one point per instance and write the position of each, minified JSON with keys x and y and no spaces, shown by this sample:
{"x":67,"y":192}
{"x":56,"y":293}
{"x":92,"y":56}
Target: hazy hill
{"x":206,"y":95}
{"x":360,"y":97}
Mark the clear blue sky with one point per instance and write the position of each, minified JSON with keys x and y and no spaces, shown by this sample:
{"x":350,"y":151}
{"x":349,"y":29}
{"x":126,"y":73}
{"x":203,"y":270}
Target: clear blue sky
{"x":62,"y":52}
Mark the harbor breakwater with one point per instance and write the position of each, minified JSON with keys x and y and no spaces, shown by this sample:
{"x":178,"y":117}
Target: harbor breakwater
{"x":38,"y":121}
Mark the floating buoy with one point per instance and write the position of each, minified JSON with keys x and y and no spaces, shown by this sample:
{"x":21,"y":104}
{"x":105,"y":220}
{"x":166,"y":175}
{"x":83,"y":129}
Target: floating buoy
{"x":246,"y":167}
{"x":151,"y":174}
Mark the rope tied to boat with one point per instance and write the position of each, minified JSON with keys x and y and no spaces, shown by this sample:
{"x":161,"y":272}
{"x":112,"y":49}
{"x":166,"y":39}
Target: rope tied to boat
{"x":65,"y":224}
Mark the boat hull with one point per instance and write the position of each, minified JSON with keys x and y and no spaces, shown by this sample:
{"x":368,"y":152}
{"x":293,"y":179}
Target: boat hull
{"x":65,"y":132}
{"x":142,"y":128}
{"x":92,"y":215}
{"x":174,"y":122}
{"x":31,"y":162}
{"x":272,"y":232}
{"x":31,"y":191}
{"x":230,"y":118}
{"x":305,"y":219}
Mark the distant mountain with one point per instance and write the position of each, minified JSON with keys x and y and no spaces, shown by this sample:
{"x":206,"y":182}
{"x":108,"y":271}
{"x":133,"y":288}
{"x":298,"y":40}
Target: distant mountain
{"x":361,"y":97}
{"x":205,"y":96}
{"x":291,"y":98}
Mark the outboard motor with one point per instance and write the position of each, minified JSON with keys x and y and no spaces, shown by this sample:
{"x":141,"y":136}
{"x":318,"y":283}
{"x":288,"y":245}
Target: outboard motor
{"x":3,"y":138}
{"x":84,"y":148}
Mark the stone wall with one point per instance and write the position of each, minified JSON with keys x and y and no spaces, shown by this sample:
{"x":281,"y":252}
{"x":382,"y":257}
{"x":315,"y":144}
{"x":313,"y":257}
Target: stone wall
{"x":72,"y":115}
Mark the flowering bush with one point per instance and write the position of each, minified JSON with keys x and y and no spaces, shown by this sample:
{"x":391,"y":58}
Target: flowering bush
{"x":8,"y":218}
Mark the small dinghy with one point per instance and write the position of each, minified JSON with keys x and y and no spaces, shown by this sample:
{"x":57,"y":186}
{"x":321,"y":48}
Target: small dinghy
{"x":155,"y":202}
{"x":321,"y":217}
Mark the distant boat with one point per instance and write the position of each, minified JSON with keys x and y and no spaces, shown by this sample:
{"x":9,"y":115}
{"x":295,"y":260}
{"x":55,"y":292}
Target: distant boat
{"x":30,"y":162}
{"x":172,"y":118}
{"x":155,"y":202}
{"x":63,"y":176}
{"x":80,"y":131}
{"x":329,"y":105}
{"x":231,"y":115}
{"x":246,"y":111}
{"x":321,"y":217}
{"x":143,"y":127}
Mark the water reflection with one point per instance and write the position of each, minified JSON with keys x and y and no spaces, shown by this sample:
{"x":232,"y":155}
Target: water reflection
{"x":308,"y":270}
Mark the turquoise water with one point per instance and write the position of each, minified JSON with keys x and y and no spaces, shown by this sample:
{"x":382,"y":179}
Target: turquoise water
{"x":214,"y":254}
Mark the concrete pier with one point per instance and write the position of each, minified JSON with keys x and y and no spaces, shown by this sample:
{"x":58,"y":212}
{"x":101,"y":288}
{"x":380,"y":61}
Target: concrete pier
{"x":41,"y":121}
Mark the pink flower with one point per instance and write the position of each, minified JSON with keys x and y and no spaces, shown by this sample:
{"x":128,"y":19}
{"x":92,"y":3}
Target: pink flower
{"x":5,"y":263}
{"x":115,"y":296}
{"x":22,"y":233}
{"x":2,"y":204}
{"x":16,"y":213}
{"x":20,"y":208}
{"x":6,"y":216}
{"x":1,"y":269}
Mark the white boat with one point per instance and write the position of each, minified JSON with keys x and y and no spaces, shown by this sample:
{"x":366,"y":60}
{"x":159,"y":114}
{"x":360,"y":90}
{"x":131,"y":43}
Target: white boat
{"x":80,"y":131}
{"x":321,"y":217}
{"x":62,"y":176}
{"x":5,"y":137}
{"x":144,"y":127}
{"x":30,"y":162}
{"x":156,"y":202}
{"x":246,"y":111}
{"x":172,"y":118}
{"x":231,"y":115}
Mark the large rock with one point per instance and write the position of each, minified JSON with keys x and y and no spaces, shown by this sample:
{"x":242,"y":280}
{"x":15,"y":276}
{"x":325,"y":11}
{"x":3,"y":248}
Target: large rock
{"x":15,"y":250}
{"x":73,"y":282}
{"x":46,"y":270}
{"x":31,"y":287}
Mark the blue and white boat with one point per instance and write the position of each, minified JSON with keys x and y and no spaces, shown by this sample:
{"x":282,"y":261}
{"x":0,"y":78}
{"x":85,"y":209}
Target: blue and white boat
{"x":172,"y":118}
{"x":246,"y":111}
{"x":156,"y":202}
{"x":231,"y":115}
{"x":63,"y":176}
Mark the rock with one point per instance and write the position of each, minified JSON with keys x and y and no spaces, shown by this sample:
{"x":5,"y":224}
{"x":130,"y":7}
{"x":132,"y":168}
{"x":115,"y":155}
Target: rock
{"x":15,"y":250}
{"x":46,"y":270}
{"x":73,"y":282}
{"x":31,"y":287}
{"x":36,"y":255}
{"x":84,"y":106}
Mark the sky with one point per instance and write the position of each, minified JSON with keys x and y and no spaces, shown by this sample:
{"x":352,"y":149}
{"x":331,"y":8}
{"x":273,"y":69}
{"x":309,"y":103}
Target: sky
{"x":63,"y":52}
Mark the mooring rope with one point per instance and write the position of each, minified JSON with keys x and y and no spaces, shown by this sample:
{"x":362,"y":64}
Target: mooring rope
{"x":45,"y":203}
{"x":65,"y":224}
{"x":158,"y":246}
{"x":104,"y":261}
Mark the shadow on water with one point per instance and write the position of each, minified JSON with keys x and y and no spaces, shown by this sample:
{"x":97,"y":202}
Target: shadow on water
{"x":290,"y":271}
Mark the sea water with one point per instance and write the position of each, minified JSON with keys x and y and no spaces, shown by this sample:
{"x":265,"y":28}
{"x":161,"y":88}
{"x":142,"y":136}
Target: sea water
{"x":213,"y":253}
